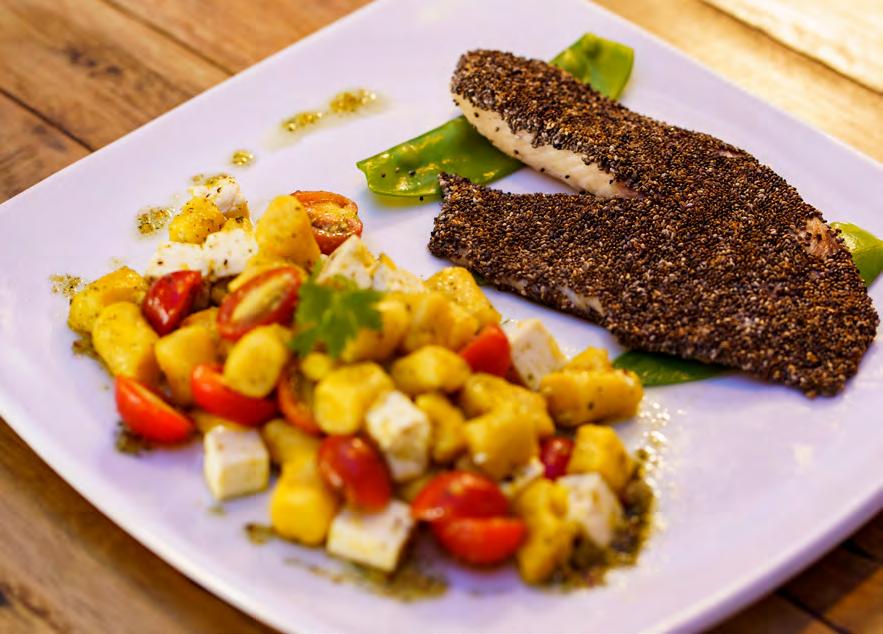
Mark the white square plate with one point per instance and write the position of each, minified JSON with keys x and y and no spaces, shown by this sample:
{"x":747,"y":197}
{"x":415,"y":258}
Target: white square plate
{"x":756,"y":481}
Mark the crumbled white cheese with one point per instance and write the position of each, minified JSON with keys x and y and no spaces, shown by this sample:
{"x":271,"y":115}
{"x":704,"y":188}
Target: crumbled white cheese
{"x":351,"y":260}
{"x":390,"y":279}
{"x":176,"y":256}
{"x":402,"y":431}
{"x":592,"y":506}
{"x":373,"y":539}
{"x":222,"y":190}
{"x":236,"y":462}
{"x":522,"y":477}
{"x":227,"y":252}
{"x":535,"y":353}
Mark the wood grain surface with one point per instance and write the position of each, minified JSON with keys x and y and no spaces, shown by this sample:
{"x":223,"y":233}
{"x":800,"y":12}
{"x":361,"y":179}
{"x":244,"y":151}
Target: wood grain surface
{"x":77,"y":74}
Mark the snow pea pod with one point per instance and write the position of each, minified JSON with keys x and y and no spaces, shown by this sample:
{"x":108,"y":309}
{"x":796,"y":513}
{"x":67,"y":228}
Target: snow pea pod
{"x":411,"y":169}
{"x":662,"y":369}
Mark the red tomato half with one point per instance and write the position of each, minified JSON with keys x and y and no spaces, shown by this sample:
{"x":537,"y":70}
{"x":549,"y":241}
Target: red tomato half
{"x":212,"y":395}
{"x":489,"y":352}
{"x":351,"y":465}
{"x":170,"y":298}
{"x":481,"y":540}
{"x":334,"y":218}
{"x":268,"y":298}
{"x":555,"y":454}
{"x":147,"y":415}
{"x":456,"y":494}
{"x":295,"y":396}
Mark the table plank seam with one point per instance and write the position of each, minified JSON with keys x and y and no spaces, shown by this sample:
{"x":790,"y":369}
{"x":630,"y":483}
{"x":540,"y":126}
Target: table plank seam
{"x":785,"y":594}
{"x":125,"y":11}
{"x":778,"y":42}
{"x":46,"y":119}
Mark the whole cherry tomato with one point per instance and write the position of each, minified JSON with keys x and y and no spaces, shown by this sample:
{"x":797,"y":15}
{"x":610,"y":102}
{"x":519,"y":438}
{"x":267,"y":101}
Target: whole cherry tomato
{"x":268,"y":298}
{"x":489,"y":352}
{"x":555,"y":453}
{"x":295,"y":396}
{"x":456,"y":494}
{"x":334,"y":218}
{"x":145,"y":413}
{"x":214,"y":396}
{"x":481,"y":540}
{"x":170,"y":299}
{"x":351,"y":465}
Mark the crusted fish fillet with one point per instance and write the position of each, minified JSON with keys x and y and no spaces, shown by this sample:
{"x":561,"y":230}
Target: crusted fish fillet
{"x":736,"y":287}
{"x":683,"y":244}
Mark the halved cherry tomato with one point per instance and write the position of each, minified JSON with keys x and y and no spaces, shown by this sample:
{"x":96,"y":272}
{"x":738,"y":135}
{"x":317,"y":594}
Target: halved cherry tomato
{"x":489,"y":352}
{"x":555,"y":454}
{"x":351,"y":465}
{"x":456,"y":494}
{"x":481,"y":540}
{"x":295,"y":396}
{"x":268,"y":298}
{"x":212,"y":395}
{"x":148,"y":415}
{"x":334,"y":218}
{"x":170,"y":299}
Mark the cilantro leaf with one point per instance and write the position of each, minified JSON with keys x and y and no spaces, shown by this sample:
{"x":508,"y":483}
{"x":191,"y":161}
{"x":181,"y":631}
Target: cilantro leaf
{"x":333,"y":314}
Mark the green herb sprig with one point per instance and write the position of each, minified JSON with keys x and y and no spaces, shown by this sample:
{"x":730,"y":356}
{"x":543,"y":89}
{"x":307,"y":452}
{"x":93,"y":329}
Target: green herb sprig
{"x":332,"y":313}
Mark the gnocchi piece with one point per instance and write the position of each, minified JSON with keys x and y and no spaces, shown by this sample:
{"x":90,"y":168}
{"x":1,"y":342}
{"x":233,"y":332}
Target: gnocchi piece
{"x":448,"y":438}
{"x":287,"y":443}
{"x":576,"y":397}
{"x":483,"y":393}
{"x":122,"y":285}
{"x":255,"y":362}
{"x":317,"y":365}
{"x":598,"y":449}
{"x":206,"y":421}
{"x":207,"y":319}
{"x":198,"y":218}
{"x":285,"y":231}
{"x":302,"y":507}
{"x":125,"y":342}
{"x":343,"y":397}
{"x":223,"y":191}
{"x":379,"y":345}
{"x":178,"y":353}
{"x":459,"y":285}
{"x":501,"y":441}
{"x":430,"y":369}
{"x":437,"y":320}
{"x":590,"y":359}
{"x":550,"y":534}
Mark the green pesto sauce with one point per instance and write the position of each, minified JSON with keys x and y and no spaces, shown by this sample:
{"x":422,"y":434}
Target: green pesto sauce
{"x":130,"y":443}
{"x":413,"y":580}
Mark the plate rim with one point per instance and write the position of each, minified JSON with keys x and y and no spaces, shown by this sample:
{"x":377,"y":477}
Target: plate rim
{"x":113,"y":505}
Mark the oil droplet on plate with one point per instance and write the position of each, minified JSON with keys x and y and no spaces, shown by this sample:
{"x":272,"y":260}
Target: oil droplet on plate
{"x":242,"y":158}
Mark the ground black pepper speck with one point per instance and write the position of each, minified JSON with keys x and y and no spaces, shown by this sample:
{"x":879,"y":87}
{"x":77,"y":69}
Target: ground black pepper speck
{"x":711,"y":261}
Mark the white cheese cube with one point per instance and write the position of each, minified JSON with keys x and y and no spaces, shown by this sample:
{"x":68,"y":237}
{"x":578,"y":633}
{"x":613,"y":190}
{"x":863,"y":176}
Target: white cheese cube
{"x":592,"y":506}
{"x":521,"y":477}
{"x":176,"y":256}
{"x":373,"y":539}
{"x":390,"y":279}
{"x":535,"y":353}
{"x":227,"y":252}
{"x":351,"y":260}
{"x":222,"y":190}
{"x":402,"y":432}
{"x":236,"y":462}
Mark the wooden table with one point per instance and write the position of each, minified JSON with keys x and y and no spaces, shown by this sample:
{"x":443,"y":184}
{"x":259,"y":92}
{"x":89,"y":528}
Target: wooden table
{"x":77,"y":74}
